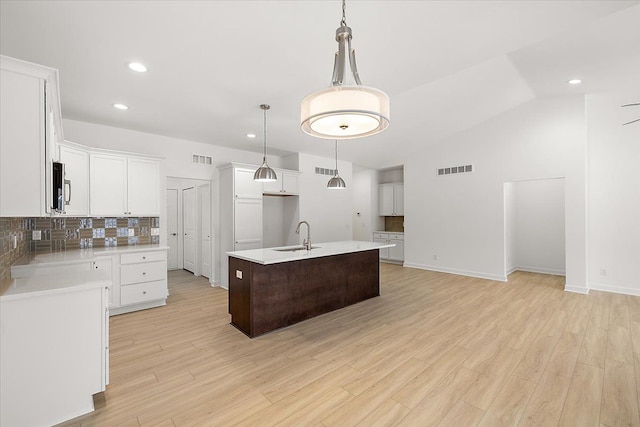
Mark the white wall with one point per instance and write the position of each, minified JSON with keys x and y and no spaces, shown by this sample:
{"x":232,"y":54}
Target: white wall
{"x":614,"y":192}
{"x":329,"y":212}
{"x":460,"y":218}
{"x":539,"y":232}
{"x":391,"y":175}
{"x":177,"y":163}
{"x":510,"y":229}
{"x":365,"y":204}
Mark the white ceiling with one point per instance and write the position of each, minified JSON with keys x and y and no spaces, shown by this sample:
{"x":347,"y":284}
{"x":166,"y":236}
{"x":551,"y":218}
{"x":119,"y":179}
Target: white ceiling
{"x":447,"y":65}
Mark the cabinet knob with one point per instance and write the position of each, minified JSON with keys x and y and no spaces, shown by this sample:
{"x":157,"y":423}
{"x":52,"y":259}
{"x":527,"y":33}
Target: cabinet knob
{"x":144,"y":292}
{"x":144,"y":273}
{"x":144,"y":257}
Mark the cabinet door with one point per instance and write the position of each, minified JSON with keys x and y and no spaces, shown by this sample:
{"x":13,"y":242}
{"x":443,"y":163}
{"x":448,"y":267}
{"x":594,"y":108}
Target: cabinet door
{"x":275,"y":186}
{"x":22,"y":163}
{"x":385,"y":200}
{"x":108,"y":184}
{"x":290,"y":183}
{"x":398,"y":199}
{"x":396,"y":253}
{"x":244,"y":185}
{"x":77,"y":174}
{"x":248,"y":221}
{"x":384,"y":252}
{"x":143,"y":190}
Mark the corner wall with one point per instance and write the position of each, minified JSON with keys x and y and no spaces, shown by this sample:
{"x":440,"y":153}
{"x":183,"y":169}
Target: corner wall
{"x":455,"y":223}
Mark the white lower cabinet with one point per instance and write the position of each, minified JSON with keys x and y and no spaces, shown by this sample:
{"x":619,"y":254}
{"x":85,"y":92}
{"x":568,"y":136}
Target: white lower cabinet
{"x":395,"y":253}
{"x":143,"y":281}
{"x":54,"y":349}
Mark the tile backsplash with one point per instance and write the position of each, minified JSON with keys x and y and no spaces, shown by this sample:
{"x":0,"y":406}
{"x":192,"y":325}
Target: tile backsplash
{"x":64,"y":233}
{"x":394,"y":223}
{"x":13,"y":230}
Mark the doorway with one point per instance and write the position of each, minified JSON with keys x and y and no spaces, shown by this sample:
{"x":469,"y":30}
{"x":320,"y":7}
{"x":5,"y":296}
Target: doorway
{"x":534,"y":226}
{"x":189,"y":225}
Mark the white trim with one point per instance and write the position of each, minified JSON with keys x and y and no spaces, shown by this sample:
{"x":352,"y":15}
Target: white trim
{"x":614,"y":289}
{"x":458,"y":272}
{"x":511,"y":270}
{"x":576,"y":289}
{"x":539,"y":270}
{"x":214,"y":283}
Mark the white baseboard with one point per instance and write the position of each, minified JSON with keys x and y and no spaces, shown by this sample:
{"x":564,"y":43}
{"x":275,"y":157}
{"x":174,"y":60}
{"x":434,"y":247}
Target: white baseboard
{"x":456,"y":271}
{"x":615,"y":289}
{"x":214,"y":283}
{"x":576,"y":289}
{"x":511,"y":270}
{"x":539,"y":270}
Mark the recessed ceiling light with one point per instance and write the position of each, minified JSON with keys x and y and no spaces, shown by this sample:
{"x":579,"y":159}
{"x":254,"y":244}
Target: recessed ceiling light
{"x":574,"y":81}
{"x":137,"y":66}
{"x":251,"y":135}
{"x":120,"y":106}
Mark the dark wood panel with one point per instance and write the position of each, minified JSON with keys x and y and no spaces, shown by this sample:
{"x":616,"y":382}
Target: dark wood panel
{"x":282,"y":294}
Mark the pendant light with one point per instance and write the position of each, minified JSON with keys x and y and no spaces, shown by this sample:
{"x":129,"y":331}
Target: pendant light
{"x":336,"y":183}
{"x":264,"y":173}
{"x":345,"y":111}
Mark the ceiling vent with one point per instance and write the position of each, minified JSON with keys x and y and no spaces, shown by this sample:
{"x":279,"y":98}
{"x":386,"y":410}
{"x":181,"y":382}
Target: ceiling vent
{"x":455,"y":169}
{"x":325,"y":171}
{"x":202,"y":160}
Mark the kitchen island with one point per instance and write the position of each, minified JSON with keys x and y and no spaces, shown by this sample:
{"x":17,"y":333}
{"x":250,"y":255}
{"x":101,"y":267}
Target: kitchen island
{"x":277,"y":287}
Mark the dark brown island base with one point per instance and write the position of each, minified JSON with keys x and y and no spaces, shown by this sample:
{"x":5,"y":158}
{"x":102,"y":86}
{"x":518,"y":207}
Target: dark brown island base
{"x":270,"y":291}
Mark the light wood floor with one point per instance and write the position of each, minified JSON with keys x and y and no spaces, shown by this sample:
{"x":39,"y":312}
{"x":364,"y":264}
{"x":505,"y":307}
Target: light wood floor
{"x":434,"y":349}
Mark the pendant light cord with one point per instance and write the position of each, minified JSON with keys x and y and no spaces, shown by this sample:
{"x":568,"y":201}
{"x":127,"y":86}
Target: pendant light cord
{"x":343,"y":23}
{"x":265,"y":108}
{"x":336,"y":157}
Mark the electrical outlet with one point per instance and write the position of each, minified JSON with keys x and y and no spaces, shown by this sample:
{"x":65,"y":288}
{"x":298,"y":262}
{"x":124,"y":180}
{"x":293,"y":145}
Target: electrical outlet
{"x":37,"y":235}
{"x":14,"y":242}
{"x":132,"y":232}
{"x":603,"y":271}
{"x":239,"y":274}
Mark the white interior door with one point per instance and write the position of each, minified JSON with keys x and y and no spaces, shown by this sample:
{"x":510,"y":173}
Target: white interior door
{"x":189,"y":229}
{"x":204,"y":193}
{"x":172,"y":229}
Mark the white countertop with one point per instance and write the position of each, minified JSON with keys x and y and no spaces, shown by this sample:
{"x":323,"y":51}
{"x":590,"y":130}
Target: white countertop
{"x":75,"y":256}
{"x":390,"y":232}
{"x":273,"y":256}
{"x":50,"y":284}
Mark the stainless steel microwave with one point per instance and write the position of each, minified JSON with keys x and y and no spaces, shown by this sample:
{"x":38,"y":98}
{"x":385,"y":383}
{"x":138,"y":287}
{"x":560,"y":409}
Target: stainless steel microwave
{"x":58,"y":193}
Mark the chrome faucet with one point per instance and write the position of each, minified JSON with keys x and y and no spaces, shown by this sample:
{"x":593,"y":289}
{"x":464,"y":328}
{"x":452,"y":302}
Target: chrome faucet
{"x":306,"y":242}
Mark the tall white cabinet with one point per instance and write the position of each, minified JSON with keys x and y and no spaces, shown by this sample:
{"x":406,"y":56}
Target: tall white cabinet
{"x":240,"y":212}
{"x":30,"y":123}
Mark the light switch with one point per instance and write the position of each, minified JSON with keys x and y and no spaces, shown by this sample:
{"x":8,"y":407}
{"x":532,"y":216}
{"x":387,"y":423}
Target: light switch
{"x":37,"y":235}
{"x":239,"y":274}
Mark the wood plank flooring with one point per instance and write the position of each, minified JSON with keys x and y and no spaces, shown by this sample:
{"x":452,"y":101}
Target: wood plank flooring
{"x":433,"y":349}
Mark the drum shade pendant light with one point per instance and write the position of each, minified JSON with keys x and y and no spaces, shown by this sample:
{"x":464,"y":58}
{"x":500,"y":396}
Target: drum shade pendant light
{"x":345,"y":111}
{"x":336,"y":183}
{"x":264,"y":173}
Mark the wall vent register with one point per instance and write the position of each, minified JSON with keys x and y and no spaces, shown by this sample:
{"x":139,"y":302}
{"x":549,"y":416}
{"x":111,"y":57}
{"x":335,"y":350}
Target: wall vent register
{"x":325,"y":171}
{"x":202,"y":160}
{"x":455,"y":169}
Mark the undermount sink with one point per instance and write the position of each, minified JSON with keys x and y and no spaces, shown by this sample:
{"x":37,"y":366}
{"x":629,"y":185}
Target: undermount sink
{"x":295,"y":249}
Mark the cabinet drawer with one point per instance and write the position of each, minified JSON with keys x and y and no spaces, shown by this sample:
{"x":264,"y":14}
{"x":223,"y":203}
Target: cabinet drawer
{"x":380,"y":235}
{"x":143,"y":257}
{"x":144,"y":272}
{"x":143,"y":292}
{"x":396,"y":236}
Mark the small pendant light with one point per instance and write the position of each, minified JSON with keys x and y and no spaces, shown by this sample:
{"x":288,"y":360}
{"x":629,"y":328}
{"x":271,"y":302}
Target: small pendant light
{"x":336,"y":183}
{"x":264,"y":173}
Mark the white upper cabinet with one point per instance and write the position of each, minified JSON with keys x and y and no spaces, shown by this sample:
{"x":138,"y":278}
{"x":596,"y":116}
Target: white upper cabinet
{"x":287,"y":183}
{"x":143,"y":189}
{"x":122,"y":185}
{"x":108,"y":185}
{"x":243,"y":184}
{"x":391,"y":200}
{"x":28,"y":111}
{"x":76,"y":161}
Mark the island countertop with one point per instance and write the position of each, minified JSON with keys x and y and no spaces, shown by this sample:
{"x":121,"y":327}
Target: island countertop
{"x":280,"y":254}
